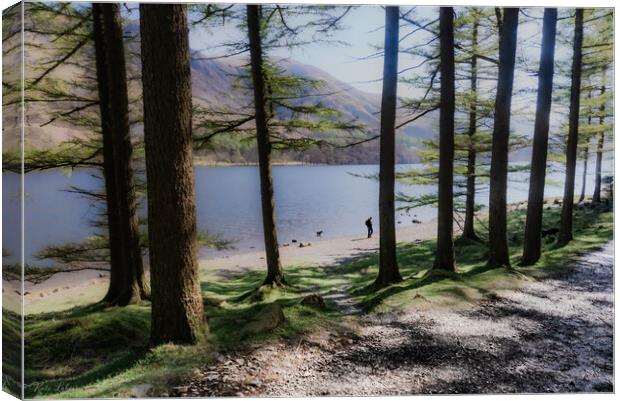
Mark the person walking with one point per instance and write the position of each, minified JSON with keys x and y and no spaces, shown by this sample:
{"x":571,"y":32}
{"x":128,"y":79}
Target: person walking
{"x":369,"y":226}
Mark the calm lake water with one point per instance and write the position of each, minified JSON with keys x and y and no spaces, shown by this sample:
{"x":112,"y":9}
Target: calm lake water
{"x":308,"y":198}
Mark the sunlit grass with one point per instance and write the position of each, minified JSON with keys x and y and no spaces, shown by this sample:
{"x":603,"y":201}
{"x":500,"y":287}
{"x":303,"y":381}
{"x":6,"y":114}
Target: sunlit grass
{"x":473,"y":280}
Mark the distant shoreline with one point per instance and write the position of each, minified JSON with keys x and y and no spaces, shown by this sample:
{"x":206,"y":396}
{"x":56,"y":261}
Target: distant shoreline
{"x":198,"y":161}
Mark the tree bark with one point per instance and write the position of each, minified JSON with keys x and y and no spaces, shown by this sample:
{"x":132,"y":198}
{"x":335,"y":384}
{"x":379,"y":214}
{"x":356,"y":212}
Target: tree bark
{"x":177,"y":310}
{"x":444,"y":256}
{"x":498,"y":241}
{"x":134,"y":285}
{"x":596,"y":197}
{"x":533,"y":224}
{"x":584,"y":175}
{"x":388,"y":264}
{"x":275,"y":274}
{"x":469,"y":233}
{"x":566,"y":219}
{"x":116,"y":266}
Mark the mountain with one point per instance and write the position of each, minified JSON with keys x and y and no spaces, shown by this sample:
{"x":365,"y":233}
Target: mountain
{"x":213,"y":87}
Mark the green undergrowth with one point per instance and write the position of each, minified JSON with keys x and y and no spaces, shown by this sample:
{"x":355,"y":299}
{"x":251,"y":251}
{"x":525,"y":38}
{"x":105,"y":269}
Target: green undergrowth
{"x":11,"y":352}
{"x":97,"y":351}
{"x":473,"y":280}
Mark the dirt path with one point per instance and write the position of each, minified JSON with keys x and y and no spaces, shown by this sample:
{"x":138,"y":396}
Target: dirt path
{"x":554,"y":335}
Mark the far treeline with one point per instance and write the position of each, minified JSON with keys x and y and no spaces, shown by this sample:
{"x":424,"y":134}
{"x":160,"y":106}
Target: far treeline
{"x":470,"y":55}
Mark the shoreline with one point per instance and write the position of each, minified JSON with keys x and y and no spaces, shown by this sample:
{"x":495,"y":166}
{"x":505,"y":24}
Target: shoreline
{"x":66,"y":290}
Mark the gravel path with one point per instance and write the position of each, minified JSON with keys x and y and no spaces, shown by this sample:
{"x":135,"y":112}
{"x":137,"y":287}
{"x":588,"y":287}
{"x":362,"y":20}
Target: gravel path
{"x":553,"y":335}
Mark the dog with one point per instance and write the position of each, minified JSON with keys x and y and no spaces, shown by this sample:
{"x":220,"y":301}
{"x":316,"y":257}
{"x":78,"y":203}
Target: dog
{"x":319,"y":233}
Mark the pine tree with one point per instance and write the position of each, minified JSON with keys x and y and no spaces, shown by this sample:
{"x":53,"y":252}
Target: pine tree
{"x":114,"y":105}
{"x":75,"y":37}
{"x":498,"y":242}
{"x":566,"y":221}
{"x":533,"y":224}
{"x":275,"y":275}
{"x":597,"y":56}
{"x":285,"y":109}
{"x":475,"y":62}
{"x":177,"y":310}
{"x":388,"y":263}
{"x":444,"y":255}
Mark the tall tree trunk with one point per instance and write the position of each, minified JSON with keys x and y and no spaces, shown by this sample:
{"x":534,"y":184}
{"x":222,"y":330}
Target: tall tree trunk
{"x":498,"y":241}
{"x":115,"y":286}
{"x":533,"y":223}
{"x":566,"y":220}
{"x":444,"y":256}
{"x":275,"y":275}
{"x":388,"y":264}
{"x":177,"y":310}
{"x":470,"y":200}
{"x":584,"y":175}
{"x":586,"y":151}
{"x":596,"y":197}
{"x":134,"y":285}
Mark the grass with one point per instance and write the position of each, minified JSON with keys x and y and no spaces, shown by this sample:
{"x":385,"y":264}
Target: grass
{"x":11,"y":355}
{"x":94,"y":351}
{"x":473,"y":279}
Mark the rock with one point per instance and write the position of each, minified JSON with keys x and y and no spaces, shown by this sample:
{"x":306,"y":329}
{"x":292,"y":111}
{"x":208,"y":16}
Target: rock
{"x":313,"y":300}
{"x":210,"y":301}
{"x":287,"y":244}
{"x":141,"y":390}
{"x":267,"y":319}
{"x":294,"y":241}
{"x":416,"y":221}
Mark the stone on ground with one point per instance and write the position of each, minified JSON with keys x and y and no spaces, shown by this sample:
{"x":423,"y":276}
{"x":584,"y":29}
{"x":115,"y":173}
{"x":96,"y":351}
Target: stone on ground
{"x":267,"y":319}
{"x":315,"y":300}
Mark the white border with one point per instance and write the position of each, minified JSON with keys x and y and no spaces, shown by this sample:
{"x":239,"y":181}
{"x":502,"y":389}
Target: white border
{"x":522,"y":3}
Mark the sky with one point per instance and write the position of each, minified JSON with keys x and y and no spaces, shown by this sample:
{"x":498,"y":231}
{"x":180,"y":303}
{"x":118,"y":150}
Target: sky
{"x":341,"y":61}
{"x":363,"y":30}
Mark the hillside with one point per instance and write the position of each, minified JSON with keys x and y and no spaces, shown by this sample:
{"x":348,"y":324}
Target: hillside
{"x":213,"y":87}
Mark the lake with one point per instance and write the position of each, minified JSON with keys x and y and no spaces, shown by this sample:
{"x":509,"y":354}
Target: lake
{"x":334,"y":199}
